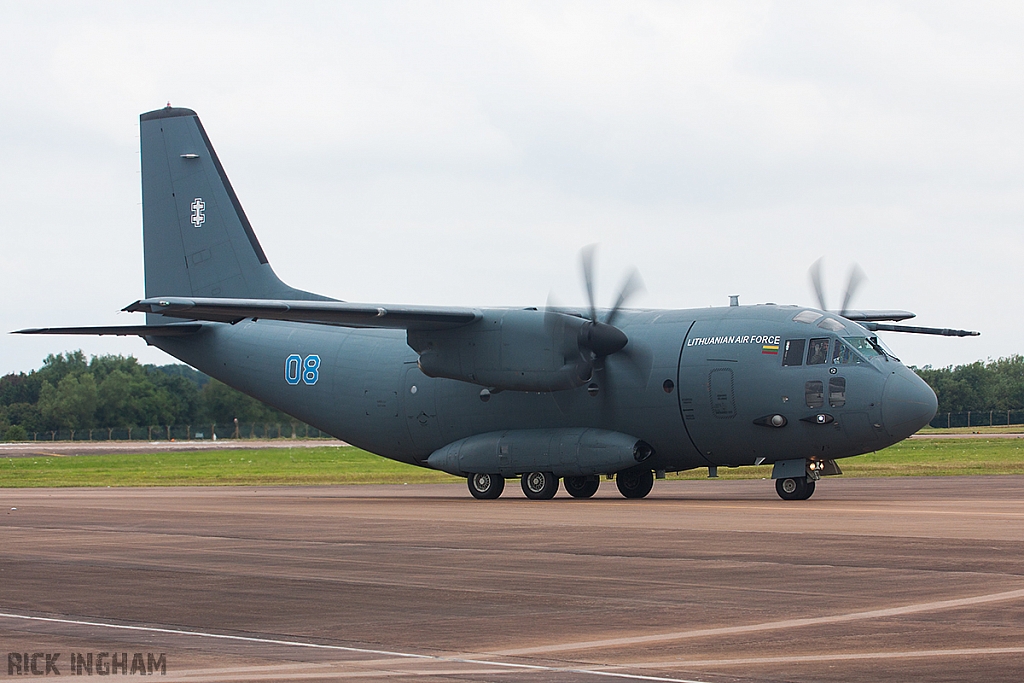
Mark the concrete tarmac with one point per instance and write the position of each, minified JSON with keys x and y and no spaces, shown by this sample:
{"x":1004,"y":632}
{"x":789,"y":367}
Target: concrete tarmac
{"x":871,"y":580}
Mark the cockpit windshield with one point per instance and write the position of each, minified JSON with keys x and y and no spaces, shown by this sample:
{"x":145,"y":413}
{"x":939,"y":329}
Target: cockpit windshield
{"x":882,"y":348}
{"x":864,"y":345}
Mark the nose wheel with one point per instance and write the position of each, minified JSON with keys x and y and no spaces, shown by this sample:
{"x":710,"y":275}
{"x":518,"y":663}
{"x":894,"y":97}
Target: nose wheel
{"x":794,"y":488}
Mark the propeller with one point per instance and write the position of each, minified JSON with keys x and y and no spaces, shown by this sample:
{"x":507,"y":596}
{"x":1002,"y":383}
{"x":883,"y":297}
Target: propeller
{"x":593,"y":338}
{"x":602,"y":338}
{"x":596,"y":339}
{"x":854,"y":282}
{"x":870,"y":320}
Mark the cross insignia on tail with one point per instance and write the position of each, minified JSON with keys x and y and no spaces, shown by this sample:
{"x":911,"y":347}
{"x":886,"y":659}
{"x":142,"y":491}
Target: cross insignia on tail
{"x":198,"y":217}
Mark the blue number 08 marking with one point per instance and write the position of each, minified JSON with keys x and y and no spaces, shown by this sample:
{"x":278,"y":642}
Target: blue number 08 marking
{"x":296,"y":367}
{"x":312,"y":365}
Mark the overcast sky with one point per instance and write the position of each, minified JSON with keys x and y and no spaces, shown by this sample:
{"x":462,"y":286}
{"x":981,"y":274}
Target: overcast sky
{"x":462,"y":153}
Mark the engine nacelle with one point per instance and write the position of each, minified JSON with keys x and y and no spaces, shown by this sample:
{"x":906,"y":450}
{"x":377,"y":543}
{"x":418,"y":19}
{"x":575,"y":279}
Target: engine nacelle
{"x":523,"y":350}
{"x":572,"y":452}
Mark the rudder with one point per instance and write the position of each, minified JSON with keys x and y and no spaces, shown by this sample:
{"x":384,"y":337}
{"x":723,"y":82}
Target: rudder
{"x":197,"y":239}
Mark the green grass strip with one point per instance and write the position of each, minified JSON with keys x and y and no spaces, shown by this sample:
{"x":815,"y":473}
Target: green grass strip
{"x":912,"y":458}
{"x":271,"y":466}
{"x":347,"y":465}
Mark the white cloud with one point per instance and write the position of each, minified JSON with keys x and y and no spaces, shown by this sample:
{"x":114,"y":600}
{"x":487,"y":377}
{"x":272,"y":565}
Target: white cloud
{"x":461,"y":153}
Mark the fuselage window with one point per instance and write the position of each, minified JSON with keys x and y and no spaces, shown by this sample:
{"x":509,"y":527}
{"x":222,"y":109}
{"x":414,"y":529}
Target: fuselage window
{"x":793,"y":352}
{"x":814,"y":394}
{"x":817,"y":352}
{"x":837,"y":392}
{"x":843,"y":354}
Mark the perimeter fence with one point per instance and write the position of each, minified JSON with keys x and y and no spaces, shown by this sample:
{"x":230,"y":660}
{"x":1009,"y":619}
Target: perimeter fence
{"x":243,"y":430}
{"x":979,"y":418}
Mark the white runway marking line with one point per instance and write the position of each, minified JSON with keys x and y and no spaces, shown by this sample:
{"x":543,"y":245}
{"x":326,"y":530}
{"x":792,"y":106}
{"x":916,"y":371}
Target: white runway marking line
{"x":343,"y":648}
{"x":839,"y":657}
{"x":767,"y":626}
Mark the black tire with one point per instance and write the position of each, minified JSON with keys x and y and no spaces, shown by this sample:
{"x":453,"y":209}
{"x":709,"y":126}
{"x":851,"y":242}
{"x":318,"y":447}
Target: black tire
{"x":794,"y":488}
{"x":540,"y":485}
{"x":486,"y":486}
{"x":636,"y":482}
{"x":581,"y":487}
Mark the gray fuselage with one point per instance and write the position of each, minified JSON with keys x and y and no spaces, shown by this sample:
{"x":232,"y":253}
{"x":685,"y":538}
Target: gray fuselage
{"x":700,"y":386}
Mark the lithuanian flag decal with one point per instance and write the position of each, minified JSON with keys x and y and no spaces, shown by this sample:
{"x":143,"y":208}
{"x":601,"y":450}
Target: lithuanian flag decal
{"x":770,"y":349}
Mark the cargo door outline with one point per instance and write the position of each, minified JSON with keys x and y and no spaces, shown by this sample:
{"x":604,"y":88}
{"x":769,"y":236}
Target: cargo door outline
{"x":686,"y":412}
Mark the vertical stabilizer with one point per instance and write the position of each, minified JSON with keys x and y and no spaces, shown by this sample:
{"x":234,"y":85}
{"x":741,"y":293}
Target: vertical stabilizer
{"x":198,"y":241}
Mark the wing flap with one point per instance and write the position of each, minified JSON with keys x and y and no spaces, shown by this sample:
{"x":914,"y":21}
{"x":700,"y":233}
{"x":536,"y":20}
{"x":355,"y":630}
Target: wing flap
{"x":338,"y":313}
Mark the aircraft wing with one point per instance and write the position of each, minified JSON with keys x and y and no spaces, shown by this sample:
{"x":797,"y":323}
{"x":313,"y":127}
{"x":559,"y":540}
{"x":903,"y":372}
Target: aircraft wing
{"x":173,"y":330}
{"x":942,"y":331}
{"x":874,"y":321}
{"x":876,"y":316}
{"x":338,"y":313}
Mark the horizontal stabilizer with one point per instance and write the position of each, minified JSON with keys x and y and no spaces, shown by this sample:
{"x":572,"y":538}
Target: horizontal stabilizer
{"x":338,"y":313}
{"x":945,"y":332}
{"x":875,"y":316}
{"x":175,"y":330}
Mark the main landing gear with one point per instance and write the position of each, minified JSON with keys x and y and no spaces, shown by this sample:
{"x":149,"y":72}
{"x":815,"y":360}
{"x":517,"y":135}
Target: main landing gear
{"x":794,"y":488}
{"x":486,"y":486}
{"x":635,"y":482}
{"x":581,"y":487}
{"x":540,"y":485}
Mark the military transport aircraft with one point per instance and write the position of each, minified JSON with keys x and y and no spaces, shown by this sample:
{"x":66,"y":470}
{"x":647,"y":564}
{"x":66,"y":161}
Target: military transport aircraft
{"x":491,"y":394}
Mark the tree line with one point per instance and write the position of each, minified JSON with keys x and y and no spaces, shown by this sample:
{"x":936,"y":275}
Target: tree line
{"x":996,"y":385}
{"x":70,"y":392}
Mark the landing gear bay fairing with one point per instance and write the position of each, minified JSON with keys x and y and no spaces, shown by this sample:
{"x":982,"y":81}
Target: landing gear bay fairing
{"x":547,"y":396}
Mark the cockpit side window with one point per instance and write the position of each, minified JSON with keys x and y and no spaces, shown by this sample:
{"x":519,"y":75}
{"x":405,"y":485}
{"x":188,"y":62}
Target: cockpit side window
{"x":843,"y":354}
{"x":793,"y":352}
{"x":817,"y":351}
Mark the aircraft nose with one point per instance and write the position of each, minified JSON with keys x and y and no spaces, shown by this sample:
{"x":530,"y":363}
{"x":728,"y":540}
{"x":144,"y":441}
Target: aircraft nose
{"x":908,"y":403}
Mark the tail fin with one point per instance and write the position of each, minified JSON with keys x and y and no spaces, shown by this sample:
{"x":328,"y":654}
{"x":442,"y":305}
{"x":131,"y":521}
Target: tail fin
{"x":197,"y":239}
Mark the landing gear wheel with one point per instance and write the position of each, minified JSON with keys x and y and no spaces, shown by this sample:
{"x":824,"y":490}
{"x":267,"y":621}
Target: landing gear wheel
{"x":795,"y":488}
{"x":581,"y":487}
{"x":636,"y":482}
{"x":486,"y":486}
{"x":540,"y":485}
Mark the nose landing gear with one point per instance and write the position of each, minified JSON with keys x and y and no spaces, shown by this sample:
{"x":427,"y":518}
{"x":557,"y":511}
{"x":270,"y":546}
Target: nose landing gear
{"x":794,"y":488}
